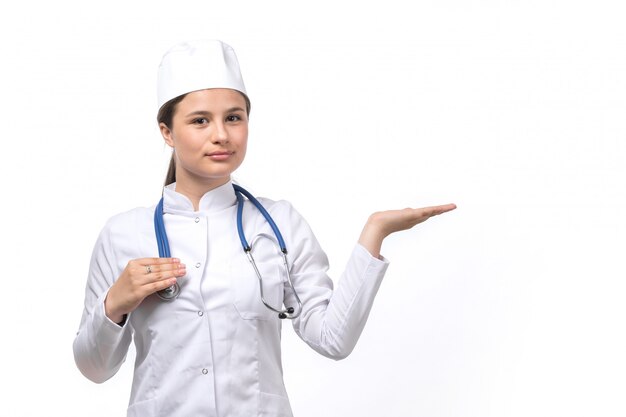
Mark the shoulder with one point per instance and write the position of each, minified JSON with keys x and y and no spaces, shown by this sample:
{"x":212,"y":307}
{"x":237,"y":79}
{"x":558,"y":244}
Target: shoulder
{"x":280,"y":208}
{"x":275,"y":205}
{"x":129,"y":221}
{"x":127,"y":235}
{"x":295,"y":230}
{"x":287,"y":217}
{"x":130,"y":217}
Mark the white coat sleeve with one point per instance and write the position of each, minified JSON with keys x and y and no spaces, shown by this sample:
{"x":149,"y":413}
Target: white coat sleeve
{"x":100,"y":345}
{"x":331,"y":320}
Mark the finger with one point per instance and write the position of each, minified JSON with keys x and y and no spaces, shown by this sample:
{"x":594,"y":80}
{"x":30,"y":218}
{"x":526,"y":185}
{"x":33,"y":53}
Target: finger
{"x":162,"y":275}
{"x":154,"y":286}
{"x":156,"y":261}
{"x":448,"y":207}
{"x":141,"y":273}
{"x":156,"y":269}
{"x":148,"y":265}
{"x":159,"y":285}
{"x":436,"y":210}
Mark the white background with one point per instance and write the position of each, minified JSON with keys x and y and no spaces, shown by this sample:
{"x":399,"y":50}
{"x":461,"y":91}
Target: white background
{"x":513,"y":305}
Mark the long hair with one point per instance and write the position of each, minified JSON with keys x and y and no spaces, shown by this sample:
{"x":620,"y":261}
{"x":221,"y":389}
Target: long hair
{"x":166,"y":116}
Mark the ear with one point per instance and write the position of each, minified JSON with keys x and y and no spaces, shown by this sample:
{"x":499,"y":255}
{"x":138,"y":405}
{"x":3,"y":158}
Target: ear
{"x":166,"y":132}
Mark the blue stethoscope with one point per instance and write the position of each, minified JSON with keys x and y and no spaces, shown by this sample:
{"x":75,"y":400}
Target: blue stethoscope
{"x":172,"y":292}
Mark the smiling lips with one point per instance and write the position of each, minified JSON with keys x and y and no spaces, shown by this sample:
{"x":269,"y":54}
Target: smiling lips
{"x":220,"y":155}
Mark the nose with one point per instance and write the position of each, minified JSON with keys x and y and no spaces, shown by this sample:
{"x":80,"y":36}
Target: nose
{"x":220,"y":134}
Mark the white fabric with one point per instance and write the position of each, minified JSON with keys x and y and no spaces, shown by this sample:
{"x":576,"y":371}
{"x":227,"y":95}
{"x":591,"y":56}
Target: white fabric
{"x":197,"y":65}
{"x":215,"y":350}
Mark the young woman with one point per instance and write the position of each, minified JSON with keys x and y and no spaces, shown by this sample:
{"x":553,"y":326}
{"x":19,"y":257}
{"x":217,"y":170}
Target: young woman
{"x":206,"y":320}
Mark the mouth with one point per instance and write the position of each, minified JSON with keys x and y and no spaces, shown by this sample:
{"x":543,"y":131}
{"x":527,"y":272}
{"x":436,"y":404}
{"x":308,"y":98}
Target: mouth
{"x":220,"y":155}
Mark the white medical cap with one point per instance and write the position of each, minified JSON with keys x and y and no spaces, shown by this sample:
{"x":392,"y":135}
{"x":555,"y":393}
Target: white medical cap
{"x":198,"y":65}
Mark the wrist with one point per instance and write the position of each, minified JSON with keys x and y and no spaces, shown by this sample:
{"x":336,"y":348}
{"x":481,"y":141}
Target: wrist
{"x":113,"y":314}
{"x":372,"y":237}
{"x":122,"y":322}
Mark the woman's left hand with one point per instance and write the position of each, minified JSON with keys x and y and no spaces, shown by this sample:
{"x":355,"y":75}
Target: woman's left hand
{"x":383,"y":223}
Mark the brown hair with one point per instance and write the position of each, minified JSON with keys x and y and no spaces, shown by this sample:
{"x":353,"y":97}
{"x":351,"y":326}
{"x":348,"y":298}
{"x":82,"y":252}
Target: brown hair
{"x":166,"y":116}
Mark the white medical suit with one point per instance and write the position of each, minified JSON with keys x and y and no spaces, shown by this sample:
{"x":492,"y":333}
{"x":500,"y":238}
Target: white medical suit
{"x":215,"y":350}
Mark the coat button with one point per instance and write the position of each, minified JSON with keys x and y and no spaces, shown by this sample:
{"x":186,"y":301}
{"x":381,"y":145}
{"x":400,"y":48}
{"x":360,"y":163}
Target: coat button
{"x":201,"y":313}
{"x":197,"y":219}
{"x":198,"y":265}
{"x":205,"y":371}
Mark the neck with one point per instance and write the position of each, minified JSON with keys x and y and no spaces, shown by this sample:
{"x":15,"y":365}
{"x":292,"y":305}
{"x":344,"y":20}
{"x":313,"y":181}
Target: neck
{"x":194,"y":188}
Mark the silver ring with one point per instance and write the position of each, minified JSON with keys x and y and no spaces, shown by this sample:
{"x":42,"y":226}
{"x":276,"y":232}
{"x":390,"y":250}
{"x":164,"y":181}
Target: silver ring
{"x":148,"y":269}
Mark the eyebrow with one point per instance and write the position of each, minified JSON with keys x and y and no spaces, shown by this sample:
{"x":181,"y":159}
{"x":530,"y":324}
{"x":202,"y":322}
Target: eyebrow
{"x":208,"y":113}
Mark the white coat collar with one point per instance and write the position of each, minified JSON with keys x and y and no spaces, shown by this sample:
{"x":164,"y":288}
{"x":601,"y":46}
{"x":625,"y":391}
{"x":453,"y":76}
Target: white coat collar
{"x":217,"y":199}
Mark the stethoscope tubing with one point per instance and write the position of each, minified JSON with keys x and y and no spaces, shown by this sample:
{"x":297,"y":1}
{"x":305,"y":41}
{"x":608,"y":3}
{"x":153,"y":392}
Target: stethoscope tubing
{"x":240,"y":190}
{"x":163,"y":244}
{"x":172,"y":292}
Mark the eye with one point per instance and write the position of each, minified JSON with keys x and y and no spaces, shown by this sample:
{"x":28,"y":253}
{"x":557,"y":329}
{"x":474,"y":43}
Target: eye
{"x":200,"y":121}
{"x":233,"y":118}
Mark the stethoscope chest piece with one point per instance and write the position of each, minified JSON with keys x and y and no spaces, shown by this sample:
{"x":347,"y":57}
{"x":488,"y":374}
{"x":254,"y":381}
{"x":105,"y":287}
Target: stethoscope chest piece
{"x":169,"y":293}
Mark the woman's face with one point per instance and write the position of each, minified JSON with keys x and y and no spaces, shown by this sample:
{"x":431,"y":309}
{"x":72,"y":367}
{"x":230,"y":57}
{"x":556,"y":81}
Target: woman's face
{"x":209,"y":133}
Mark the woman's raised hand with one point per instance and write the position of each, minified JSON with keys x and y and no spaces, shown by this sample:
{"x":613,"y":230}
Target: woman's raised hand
{"x":140,"y":278}
{"x":383,"y":223}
